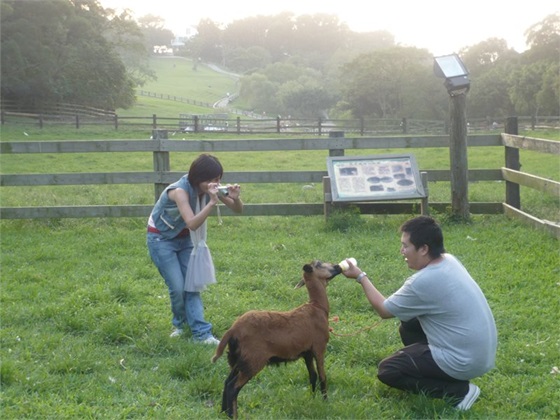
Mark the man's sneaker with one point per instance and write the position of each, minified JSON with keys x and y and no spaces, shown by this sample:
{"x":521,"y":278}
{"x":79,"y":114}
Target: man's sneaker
{"x":469,"y":399}
{"x":210,"y":340}
{"x":177,"y":332}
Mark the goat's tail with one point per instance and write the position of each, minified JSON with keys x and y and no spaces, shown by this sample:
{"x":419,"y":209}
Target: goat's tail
{"x":221,"y":347}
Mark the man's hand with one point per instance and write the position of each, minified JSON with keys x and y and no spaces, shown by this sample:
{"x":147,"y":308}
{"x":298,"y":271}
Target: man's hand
{"x":353,"y":270}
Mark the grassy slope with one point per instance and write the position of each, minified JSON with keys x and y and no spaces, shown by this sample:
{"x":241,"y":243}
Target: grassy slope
{"x":176,"y":77}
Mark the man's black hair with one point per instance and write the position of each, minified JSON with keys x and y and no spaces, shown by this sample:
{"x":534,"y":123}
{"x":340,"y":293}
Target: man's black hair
{"x":424,"y":230}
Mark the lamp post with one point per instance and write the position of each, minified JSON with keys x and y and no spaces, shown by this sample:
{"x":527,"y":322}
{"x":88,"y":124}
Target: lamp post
{"x":457,"y":84}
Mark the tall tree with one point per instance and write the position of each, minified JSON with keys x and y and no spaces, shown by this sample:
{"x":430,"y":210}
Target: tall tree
{"x":525,"y":84}
{"x":486,"y":55}
{"x":259,"y":93}
{"x":548,"y":98}
{"x":489,"y":94}
{"x":377,"y":84}
{"x":534,"y":85}
{"x":129,"y":43}
{"x":543,"y":39}
{"x":207,"y":43}
{"x":154,"y":32}
{"x":305,"y":97}
{"x":247,"y":59}
{"x":318,"y":36}
{"x":60,"y":55}
{"x":490,"y":63}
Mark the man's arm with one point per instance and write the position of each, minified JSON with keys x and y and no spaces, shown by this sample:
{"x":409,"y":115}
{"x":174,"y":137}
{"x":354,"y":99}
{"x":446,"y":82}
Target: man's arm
{"x":373,"y":295}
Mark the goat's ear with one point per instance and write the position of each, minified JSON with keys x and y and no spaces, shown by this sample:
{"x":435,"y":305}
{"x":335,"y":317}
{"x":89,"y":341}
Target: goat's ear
{"x":308,"y":268}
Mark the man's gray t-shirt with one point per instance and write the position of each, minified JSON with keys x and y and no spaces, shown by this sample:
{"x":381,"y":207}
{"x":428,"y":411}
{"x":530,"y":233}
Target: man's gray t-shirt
{"x":453,"y":313}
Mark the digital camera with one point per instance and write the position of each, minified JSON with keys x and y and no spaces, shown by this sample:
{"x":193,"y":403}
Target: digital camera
{"x":223,"y":190}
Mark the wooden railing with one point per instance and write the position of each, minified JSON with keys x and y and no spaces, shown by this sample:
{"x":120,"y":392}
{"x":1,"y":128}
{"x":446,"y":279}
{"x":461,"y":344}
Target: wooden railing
{"x":249,"y":123}
{"x":162,"y":175}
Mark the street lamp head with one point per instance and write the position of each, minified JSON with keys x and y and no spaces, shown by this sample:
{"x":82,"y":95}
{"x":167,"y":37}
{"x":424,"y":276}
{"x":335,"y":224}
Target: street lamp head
{"x":455,"y":73}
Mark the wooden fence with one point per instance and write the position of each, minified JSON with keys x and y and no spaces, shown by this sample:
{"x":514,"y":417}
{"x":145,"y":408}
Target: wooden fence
{"x":161,"y":175}
{"x":250,"y":123}
{"x":217,"y":124}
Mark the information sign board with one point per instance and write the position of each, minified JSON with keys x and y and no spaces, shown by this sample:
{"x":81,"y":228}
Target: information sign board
{"x":374,"y":178}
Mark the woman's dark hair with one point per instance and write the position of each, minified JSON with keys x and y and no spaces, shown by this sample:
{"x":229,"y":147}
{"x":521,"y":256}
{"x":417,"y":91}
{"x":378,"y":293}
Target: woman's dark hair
{"x":204,"y":168}
{"x":424,"y":230}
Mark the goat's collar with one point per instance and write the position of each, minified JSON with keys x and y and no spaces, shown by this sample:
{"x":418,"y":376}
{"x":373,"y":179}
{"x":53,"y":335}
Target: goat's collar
{"x":317,"y":305}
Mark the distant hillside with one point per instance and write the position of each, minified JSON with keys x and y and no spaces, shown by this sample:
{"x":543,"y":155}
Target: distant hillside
{"x":178,"y":79}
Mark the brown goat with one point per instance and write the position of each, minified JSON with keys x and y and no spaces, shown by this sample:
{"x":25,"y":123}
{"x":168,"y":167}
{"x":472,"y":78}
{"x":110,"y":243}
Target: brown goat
{"x":259,"y":338}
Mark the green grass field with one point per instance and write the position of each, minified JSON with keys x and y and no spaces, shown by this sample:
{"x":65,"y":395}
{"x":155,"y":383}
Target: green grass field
{"x":85,"y":320}
{"x":85,"y":316}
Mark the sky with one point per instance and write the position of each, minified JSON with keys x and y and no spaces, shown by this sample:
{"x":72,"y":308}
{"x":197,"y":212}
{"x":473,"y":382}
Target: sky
{"x":440,"y":26}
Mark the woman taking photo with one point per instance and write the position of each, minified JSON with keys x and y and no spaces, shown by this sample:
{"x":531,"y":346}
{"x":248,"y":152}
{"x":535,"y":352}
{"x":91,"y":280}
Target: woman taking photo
{"x":170,"y":244}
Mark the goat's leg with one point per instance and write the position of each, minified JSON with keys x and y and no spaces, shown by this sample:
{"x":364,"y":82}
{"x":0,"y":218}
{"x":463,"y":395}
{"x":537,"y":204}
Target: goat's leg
{"x":320,"y":359}
{"x":225,"y":400}
{"x":308,"y":357}
{"x":233,"y":387}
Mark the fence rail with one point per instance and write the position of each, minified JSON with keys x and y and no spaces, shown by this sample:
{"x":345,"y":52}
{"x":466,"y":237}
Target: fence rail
{"x":250,"y":124}
{"x":162,"y":175}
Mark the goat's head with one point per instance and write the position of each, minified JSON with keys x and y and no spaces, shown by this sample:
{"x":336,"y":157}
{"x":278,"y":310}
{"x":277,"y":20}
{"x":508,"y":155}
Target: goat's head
{"x":318,"y":270}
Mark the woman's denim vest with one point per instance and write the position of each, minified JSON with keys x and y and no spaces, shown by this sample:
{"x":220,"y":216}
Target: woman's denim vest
{"x":166,"y":215}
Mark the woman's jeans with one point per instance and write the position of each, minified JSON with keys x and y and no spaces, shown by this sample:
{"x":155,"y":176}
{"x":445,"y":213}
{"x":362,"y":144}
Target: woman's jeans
{"x":413,"y":368}
{"x":171,"y":257}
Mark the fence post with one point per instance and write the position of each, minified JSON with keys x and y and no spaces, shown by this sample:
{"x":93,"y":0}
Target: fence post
{"x":161,"y":161}
{"x":77,"y":121}
{"x":327,"y":197}
{"x":458,"y":157}
{"x":336,"y":135}
{"x":513,"y":197}
{"x":404,"y":125}
{"x":238,"y":125}
{"x":196,"y":123}
{"x":424,"y":206}
{"x":154,"y":121}
{"x":278,"y":124}
{"x":116,"y":118}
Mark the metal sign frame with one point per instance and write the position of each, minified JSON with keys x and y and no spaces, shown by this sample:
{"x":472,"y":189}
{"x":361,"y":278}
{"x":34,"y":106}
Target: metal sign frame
{"x":375,"y":178}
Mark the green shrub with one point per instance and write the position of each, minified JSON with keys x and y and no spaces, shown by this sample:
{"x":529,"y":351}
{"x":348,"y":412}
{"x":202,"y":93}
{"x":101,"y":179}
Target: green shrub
{"x":343,"y":220}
